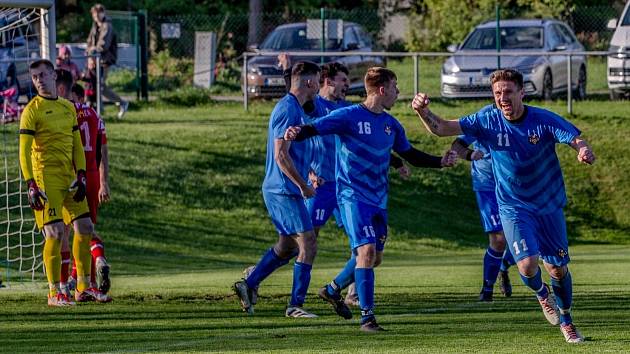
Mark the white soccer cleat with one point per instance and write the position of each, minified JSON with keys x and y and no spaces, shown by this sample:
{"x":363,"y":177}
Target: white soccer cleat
{"x":549,"y":307}
{"x":571,"y":334}
{"x":59,"y":300}
{"x":298,"y":312}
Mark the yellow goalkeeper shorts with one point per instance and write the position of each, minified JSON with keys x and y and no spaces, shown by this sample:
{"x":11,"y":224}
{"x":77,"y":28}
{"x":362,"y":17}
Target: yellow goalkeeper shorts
{"x":60,"y":206}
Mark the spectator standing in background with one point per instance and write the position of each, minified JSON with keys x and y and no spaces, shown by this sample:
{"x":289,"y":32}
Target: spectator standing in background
{"x":102,"y":41}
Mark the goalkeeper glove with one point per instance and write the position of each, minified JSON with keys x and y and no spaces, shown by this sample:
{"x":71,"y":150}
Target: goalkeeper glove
{"x":80,"y":185}
{"x":36,"y":197}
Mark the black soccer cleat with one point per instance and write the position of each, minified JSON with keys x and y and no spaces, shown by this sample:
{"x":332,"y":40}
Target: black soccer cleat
{"x":242,"y":291}
{"x":370,"y":326}
{"x":338,"y":305}
{"x":504,"y":283}
{"x":485,"y":296}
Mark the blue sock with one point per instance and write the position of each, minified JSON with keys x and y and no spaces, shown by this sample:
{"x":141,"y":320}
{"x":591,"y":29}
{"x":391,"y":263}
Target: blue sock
{"x":301,"y":280}
{"x":364,"y":278}
{"x":491,"y":265}
{"x":536,"y":284}
{"x":508,"y":260}
{"x":563,"y":289}
{"x":344,"y":278}
{"x":267,"y":264}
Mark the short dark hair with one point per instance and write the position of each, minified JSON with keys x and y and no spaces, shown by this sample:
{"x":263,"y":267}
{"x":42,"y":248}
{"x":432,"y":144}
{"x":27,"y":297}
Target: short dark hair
{"x":78,"y":90}
{"x":304,"y":68}
{"x":330,"y":70}
{"x":49,"y":65}
{"x":376,"y":77}
{"x":64,"y":77}
{"x":507,"y":75}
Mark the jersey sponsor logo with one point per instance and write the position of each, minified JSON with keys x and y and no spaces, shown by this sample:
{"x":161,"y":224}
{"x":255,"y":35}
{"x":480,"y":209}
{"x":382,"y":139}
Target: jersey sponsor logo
{"x":49,"y":112}
{"x":562,"y":253}
{"x":534,"y":138}
{"x":388,"y":129}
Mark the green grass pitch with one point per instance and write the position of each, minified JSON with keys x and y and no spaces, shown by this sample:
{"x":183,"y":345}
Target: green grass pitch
{"x":187,"y":216}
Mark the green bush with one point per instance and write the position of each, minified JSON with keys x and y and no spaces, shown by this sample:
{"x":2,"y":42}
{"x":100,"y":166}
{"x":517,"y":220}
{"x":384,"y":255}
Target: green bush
{"x":185,"y":96}
{"x":122,"y":80}
{"x":167,"y":72}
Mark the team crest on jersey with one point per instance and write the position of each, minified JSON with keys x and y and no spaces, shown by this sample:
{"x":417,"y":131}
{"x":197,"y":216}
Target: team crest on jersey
{"x":383,"y":239}
{"x":388,"y":130}
{"x":534,"y":139}
{"x":562,"y":253}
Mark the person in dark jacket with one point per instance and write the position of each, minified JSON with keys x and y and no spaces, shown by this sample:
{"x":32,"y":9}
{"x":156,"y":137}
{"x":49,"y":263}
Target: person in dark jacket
{"x":102,"y":41}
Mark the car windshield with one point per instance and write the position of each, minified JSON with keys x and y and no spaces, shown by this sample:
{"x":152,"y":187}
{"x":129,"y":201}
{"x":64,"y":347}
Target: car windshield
{"x":626,"y":18}
{"x":294,"y":38}
{"x":511,"y":38}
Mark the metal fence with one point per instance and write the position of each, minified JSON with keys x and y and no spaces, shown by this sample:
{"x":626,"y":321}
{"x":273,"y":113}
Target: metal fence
{"x":585,"y":73}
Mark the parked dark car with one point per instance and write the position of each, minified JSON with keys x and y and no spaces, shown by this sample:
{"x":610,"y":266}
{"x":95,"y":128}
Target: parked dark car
{"x":544,"y":75}
{"x":264,"y":76}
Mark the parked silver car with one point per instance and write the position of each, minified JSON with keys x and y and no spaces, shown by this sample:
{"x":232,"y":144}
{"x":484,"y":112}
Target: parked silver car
{"x":544,"y":75}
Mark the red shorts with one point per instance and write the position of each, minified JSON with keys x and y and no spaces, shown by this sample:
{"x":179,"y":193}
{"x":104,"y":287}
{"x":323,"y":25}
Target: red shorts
{"x":93,"y":186}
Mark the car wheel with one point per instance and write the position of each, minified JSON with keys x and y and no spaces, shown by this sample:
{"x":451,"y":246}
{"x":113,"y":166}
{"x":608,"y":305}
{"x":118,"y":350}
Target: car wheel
{"x":580,"y":91}
{"x":547,"y":86}
{"x":616,"y":95}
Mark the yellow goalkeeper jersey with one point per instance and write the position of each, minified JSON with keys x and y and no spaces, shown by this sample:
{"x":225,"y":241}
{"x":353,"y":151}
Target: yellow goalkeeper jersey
{"x":53,"y":124}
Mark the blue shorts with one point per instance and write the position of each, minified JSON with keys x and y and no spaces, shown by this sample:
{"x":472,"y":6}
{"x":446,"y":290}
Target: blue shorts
{"x":323,"y":204}
{"x":364,"y":224}
{"x":288,"y":213}
{"x":530,"y":235}
{"x":489,"y":211}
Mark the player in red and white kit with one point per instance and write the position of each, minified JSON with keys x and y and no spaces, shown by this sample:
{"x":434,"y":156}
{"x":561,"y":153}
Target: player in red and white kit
{"x":94,"y":141}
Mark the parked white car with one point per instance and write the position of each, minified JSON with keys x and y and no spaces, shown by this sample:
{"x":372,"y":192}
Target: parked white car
{"x":619,"y":59}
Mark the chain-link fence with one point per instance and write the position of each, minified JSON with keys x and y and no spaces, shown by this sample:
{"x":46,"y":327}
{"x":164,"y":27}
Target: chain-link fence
{"x":172,"y":38}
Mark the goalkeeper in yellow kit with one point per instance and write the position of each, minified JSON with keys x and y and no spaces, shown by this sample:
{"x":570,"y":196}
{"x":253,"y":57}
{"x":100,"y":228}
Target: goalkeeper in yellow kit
{"x":53,"y":165}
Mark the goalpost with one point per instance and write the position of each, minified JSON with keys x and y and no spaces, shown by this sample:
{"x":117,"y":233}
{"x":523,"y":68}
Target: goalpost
{"x":27,"y":33}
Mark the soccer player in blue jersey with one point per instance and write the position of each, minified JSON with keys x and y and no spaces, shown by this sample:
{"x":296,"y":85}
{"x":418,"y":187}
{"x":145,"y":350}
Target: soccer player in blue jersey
{"x":332,"y":93}
{"x":367,"y":134}
{"x":530,"y":187}
{"x":496,"y":259}
{"x":284,"y":190}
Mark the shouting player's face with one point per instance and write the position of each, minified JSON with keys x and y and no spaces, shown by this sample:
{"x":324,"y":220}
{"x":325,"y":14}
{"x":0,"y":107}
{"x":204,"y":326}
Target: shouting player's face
{"x":390,"y":94}
{"x":508,"y":98}
{"x":338,"y":87}
{"x":44,"y":80}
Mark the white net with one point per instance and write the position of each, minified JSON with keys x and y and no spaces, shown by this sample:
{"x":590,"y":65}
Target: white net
{"x":20,"y":241}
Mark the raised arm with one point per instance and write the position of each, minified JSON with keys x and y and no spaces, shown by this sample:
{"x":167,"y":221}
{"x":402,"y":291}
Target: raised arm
{"x":284,"y":161}
{"x":431,"y":121}
{"x":585,"y":153}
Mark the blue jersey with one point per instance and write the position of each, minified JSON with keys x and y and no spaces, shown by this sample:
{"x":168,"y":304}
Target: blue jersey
{"x":365,"y":143}
{"x":325,"y":146}
{"x":524,"y":160}
{"x":285,"y":114}
{"x":480,"y":170}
